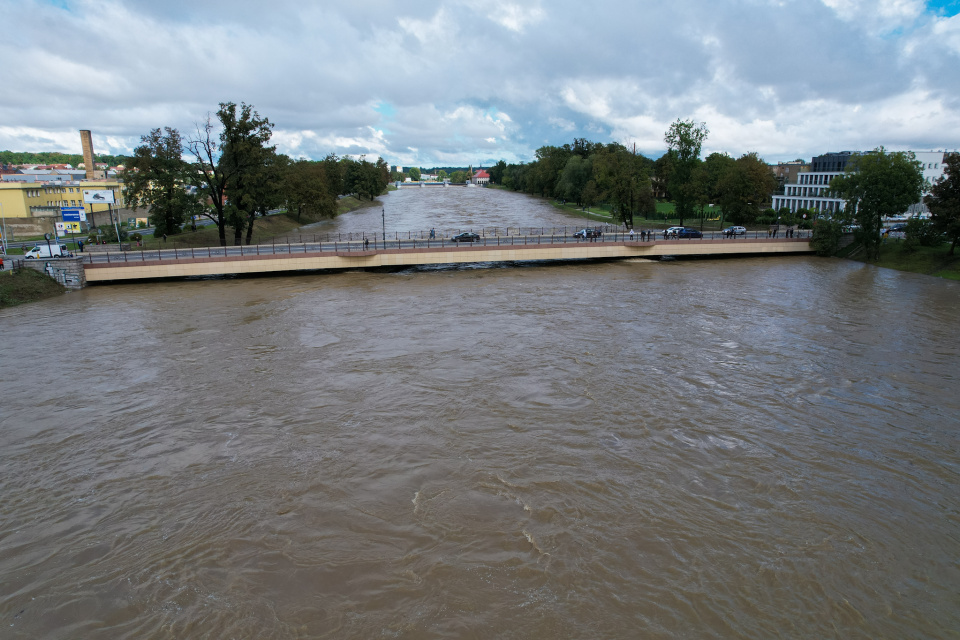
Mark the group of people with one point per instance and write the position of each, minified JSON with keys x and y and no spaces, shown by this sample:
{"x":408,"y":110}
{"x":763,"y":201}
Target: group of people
{"x":644,"y":235}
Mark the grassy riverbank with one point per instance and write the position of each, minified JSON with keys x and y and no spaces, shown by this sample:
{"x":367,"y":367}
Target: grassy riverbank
{"x":931,"y":261}
{"x":26,"y":285}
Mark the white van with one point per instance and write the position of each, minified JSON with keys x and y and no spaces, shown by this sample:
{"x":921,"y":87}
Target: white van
{"x":45,"y":251}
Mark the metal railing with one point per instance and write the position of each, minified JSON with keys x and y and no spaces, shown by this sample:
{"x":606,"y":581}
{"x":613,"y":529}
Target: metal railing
{"x":362,"y":242}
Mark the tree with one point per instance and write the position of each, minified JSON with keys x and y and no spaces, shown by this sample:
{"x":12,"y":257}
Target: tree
{"x":496,"y":172}
{"x":744,"y":187}
{"x":227,"y":164}
{"x":308,"y":190}
{"x":944,"y":201}
{"x":249,"y":165}
{"x":158,"y":178}
{"x":624,"y":181}
{"x":707,"y":177}
{"x":573,"y":179}
{"x":414,"y":174}
{"x":877,"y":184}
{"x":684,"y":139}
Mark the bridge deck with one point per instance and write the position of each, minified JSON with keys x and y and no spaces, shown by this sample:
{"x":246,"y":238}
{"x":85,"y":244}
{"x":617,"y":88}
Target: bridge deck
{"x":135,"y":266}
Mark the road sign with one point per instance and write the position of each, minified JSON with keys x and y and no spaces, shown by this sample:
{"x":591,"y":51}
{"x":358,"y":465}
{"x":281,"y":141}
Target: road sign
{"x":73,"y":214}
{"x":98,"y":196}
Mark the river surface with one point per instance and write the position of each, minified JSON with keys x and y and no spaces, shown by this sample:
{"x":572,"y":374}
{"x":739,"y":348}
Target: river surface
{"x":741,"y":448}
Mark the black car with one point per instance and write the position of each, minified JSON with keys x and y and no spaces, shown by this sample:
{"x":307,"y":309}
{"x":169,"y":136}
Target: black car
{"x":466,"y":236}
{"x":588,"y":233}
{"x":687,"y":232}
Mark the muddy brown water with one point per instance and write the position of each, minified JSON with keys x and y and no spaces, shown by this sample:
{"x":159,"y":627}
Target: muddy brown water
{"x":752,"y":448}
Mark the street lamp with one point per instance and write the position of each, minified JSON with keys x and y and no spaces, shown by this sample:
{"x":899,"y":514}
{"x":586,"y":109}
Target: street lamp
{"x":3,"y":239}
{"x":383,"y":214}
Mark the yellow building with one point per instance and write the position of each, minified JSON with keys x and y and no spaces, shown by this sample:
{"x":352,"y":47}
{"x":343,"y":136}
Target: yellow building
{"x":31,"y":208}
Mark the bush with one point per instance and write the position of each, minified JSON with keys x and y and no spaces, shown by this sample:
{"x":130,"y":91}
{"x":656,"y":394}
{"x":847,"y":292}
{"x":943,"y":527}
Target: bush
{"x":921,"y":233}
{"x":826,"y":237}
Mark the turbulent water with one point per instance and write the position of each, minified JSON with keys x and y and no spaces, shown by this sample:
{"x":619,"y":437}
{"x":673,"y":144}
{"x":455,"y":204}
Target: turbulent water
{"x":750,"y":448}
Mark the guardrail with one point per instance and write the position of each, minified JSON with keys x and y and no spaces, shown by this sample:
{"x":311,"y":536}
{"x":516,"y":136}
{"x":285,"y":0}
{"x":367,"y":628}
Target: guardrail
{"x":375,"y":242}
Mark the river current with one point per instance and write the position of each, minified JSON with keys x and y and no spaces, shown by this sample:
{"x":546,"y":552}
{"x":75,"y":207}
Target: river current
{"x":739,"y":448}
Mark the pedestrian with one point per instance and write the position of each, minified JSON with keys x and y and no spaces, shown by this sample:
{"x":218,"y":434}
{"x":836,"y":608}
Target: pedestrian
{"x":366,"y":243}
{"x":433,"y":234}
{"x":164,"y":237}
{"x":1,"y":264}
{"x":80,"y":245}
{"x":631,"y":234}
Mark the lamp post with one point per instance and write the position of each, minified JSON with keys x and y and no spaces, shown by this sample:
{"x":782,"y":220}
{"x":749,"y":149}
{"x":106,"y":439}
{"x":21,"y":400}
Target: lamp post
{"x":383,"y":214}
{"x":3,"y":234}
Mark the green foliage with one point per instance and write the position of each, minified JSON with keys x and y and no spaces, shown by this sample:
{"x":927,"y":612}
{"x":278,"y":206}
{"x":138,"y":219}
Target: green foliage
{"x":944,"y":201}
{"x":27,"y":285}
{"x":744,"y":187}
{"x":496,"y":172}
{"x":53,"y":157}
{"x":684,"y":140}
{"x":875,"y":185}
{"x":110,"y":234}
{"x":826,"y":237}
{"x":309,"y":189}
{"x":921,"y":233}
{"x":414,"y":173}
{"x":159,"y":179}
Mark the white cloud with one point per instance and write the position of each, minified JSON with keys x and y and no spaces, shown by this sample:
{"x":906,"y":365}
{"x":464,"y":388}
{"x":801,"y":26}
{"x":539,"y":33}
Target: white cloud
{"x":786,"y":78}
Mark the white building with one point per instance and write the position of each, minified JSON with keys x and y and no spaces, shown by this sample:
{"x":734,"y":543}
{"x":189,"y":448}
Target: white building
{"x":811,"y":190}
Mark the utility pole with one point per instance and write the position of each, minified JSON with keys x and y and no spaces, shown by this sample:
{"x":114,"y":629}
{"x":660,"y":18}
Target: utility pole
{"x":383,"y":214}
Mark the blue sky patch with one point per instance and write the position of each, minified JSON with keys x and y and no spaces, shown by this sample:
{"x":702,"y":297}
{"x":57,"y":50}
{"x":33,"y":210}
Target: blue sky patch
{"x":944,"y":7}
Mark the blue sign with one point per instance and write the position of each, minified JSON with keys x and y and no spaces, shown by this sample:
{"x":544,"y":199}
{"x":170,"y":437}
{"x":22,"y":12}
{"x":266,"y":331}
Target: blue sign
{"x":73,"y":214}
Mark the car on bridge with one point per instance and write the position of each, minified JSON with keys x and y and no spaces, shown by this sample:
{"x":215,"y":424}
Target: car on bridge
{"x":671,"y":232}
{"x":734,"y":231}
{"x":585,"y":234}
{"x":687,"y":232}
{"x":466,"y":236}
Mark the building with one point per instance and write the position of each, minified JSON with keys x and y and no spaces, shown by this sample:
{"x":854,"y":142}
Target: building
{"x":481,"y":177}
{"x":32,"y":205}
{"x":811,"y":188}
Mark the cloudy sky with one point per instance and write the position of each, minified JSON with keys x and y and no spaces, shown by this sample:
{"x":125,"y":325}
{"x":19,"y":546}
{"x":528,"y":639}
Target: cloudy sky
{"x":456,"y":82}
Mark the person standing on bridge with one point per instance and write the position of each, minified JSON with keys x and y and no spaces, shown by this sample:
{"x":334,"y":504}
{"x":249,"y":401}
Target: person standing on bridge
{"x":366,"y":243}
{"x":631,"y":234}
{"x":433,"y":234}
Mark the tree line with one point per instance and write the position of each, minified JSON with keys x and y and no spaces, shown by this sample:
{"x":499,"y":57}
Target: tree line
{"x":228,"y":172}
{"x":589,"y":173}
{"x":55,"y":157}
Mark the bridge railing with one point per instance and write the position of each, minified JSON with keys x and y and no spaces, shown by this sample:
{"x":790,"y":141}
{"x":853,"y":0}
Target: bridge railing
{"x":358,"y":242}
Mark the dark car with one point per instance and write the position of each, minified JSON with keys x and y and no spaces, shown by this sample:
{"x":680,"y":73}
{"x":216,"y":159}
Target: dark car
{"x":588,"y":233}
{"x":466,"y":236}
{"x":687,"y":232}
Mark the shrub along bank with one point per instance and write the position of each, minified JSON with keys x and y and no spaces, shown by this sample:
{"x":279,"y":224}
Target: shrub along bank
{"x":26,"y":285}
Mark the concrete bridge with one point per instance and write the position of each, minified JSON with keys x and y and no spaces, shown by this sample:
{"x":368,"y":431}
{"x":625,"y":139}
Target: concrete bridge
{"x":255,"y":259}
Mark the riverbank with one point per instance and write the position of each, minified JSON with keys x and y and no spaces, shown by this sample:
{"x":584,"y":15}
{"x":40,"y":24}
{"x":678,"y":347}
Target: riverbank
{"x":931,"y":261}
{"x":26,"y":285}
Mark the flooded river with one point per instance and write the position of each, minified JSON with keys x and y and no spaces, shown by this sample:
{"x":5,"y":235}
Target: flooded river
{"x":751,"y":448}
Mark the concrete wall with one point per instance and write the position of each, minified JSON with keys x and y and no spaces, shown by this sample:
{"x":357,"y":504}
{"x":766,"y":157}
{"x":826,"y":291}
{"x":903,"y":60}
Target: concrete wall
{"x":67,"y":271}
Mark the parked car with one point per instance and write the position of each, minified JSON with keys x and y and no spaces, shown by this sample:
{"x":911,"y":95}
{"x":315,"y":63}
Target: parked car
{"x":672,"y":232}
{"x":466,"y":236}
{"x":735,"y":231}
{"x":45,"y":251}
{"x":897,"y":228}
{"x":588,"y":233}
{"x":687,"y":232}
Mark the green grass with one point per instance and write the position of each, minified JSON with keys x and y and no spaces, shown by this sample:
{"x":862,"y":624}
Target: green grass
{"x":931,"y":261}
{"x":26,"y":285}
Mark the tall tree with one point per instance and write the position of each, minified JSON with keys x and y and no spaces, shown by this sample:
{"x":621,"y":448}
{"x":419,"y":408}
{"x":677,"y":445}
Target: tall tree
{"x":707,"y":178}
{"x":573,"y":179}
{"x":225,"y":164}
{"x":744,"y":187}
{"x":877,"y":184}
{"x":944,"y":201}
{"x":309,"y":191}
{"x":158,"y":178}
{"x":250,"y":165}
{"x":414,"y":173}
{"x":624,"y":181}
{"x":684,"y":139}
{"x":496,"y":172}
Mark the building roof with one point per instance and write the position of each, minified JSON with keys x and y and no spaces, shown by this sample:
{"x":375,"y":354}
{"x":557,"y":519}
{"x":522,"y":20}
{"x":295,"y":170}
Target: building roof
{"x":481,"y":174}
